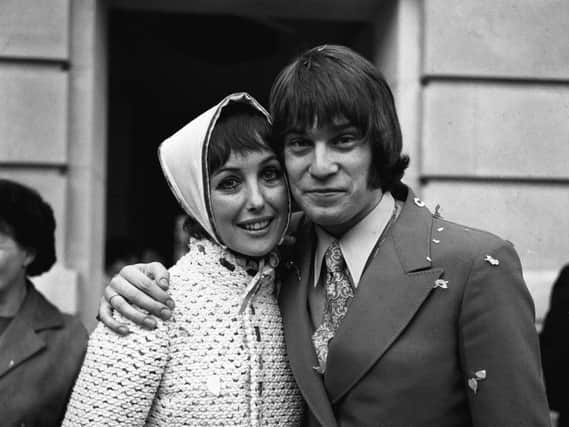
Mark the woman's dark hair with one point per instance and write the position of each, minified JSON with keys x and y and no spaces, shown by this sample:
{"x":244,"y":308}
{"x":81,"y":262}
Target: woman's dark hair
{"x":331,"y":82}
{"x":29,"y":220}
{"x":240,"y":128}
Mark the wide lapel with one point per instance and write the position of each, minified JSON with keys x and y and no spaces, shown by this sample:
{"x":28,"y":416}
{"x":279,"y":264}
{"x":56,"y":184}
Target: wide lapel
{"x":293,"y":301}
{"x":390,"y":292}
{"x":19,"y":341}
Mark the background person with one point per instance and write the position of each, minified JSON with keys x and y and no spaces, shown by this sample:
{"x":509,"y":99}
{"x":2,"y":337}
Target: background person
{"x":554,"y":340}
{"x":41,"y":349}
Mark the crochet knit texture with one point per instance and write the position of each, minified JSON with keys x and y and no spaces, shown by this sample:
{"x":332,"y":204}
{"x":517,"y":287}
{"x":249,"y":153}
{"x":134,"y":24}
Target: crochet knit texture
{"x":209,"y":365}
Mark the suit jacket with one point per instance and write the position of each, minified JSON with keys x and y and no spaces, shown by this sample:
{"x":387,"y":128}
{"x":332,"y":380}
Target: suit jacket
{"x":41,"y":353}
{"x":440,"y":332}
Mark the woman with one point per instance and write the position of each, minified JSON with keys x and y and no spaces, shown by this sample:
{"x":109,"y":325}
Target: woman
{"x":41,"y":349}
{"x":221,"y":359}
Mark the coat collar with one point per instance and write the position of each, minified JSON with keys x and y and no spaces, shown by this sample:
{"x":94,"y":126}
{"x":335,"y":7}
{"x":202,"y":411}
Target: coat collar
{"x":293,"y":300}
{"x":391,"y":290}
{"x":20,"y":340}
{"x":411,"y":233}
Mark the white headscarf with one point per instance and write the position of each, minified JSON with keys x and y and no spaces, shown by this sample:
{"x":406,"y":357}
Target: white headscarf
{"x":183,"y":158}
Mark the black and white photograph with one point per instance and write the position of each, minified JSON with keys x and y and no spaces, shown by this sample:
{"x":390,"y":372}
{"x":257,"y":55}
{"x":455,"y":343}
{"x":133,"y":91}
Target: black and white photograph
{"x":316,"y":213}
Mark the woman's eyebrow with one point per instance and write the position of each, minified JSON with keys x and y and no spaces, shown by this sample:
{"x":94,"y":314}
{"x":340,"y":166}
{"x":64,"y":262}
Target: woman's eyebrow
{"x":268,"y":159}
{"x":225,"y":169}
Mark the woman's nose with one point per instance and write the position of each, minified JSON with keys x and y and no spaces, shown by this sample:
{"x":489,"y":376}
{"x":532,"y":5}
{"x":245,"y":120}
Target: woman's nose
{"x":255,"y":197}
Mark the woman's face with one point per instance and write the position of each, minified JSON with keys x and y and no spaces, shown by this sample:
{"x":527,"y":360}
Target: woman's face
{"x":13,"y":258}
{"x":249,"y":199}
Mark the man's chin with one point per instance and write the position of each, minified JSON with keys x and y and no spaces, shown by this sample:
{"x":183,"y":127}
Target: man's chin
{"x":323,"y":216}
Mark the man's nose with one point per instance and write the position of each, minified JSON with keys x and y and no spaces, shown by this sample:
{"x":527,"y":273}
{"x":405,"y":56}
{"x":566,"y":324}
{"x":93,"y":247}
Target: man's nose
{"x":323,"y":164}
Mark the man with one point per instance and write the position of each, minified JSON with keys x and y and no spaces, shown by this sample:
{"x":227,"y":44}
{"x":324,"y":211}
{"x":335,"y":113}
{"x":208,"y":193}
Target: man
{"x":393,"y":316}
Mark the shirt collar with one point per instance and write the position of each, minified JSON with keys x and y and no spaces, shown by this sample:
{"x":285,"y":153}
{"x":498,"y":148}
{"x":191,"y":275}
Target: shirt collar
{"x":358,"y":242}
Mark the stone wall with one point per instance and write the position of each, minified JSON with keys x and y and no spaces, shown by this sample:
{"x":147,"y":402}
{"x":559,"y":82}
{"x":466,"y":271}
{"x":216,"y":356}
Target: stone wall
{"x":495,"y":124}
{"x":52,"y":132}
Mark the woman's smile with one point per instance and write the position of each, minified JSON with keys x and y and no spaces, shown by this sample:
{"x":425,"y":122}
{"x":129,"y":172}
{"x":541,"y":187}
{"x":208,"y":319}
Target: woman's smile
{"x":256,"y":225}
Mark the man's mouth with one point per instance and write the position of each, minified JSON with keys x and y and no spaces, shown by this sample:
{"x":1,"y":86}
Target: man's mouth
{"x":324,"y":191}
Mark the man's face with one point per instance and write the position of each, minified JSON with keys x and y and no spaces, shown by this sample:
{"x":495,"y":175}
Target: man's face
{"x":328,"y":168}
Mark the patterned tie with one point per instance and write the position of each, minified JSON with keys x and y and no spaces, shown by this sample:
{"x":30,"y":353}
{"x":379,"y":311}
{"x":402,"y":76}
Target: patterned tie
{"x":339,"y":294}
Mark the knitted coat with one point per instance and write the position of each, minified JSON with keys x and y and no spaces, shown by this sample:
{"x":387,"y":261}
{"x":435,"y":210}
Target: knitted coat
{"x":215,"y":362}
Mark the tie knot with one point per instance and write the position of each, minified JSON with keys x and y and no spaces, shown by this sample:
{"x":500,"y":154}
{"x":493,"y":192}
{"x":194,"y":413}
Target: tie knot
{"x":334,"y":259}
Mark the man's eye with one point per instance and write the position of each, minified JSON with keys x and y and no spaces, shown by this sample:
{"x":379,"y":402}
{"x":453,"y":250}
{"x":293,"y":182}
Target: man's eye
{"x":271,"y":174}
{"x":347,"y":138}
{"x":297,"y":143}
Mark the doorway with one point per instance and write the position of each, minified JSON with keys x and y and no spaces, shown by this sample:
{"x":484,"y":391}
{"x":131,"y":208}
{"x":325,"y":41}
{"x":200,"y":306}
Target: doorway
{"x":165,"y":69}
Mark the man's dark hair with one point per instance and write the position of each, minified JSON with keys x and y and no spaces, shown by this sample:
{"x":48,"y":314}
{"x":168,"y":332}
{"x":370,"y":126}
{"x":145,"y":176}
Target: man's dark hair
{"x":241,"y":129}
{"x":331,"y":82}
{"x":29,"y":220}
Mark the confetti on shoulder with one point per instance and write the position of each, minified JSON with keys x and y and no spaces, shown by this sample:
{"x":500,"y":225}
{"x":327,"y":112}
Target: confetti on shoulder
{"x":441,"y":283}
{"x":491,"y":260}
{"x":480,"y":375}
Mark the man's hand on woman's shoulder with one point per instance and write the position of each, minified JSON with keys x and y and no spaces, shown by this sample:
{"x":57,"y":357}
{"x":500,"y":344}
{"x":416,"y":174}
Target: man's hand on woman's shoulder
{"x":137,"y":286}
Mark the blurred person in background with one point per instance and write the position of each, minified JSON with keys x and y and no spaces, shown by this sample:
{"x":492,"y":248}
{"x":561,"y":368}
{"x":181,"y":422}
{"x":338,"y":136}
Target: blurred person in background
{"x":41,"y":349}
{"x":554,"y":340}
{"x":118,"y":253}
{"x":123,"y":251}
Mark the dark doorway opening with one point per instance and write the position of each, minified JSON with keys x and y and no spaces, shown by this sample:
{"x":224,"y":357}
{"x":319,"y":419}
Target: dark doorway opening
{"x":165,"y":69}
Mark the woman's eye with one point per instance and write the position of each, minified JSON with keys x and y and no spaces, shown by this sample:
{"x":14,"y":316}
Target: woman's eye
{"x":228,"y":184}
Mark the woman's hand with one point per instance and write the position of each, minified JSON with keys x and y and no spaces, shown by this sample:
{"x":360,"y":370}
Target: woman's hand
{"x":140,"y":286}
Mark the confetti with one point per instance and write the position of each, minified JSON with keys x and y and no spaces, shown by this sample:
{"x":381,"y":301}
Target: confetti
{"x":441,"y":283}
{"x":480,"y":375}
{"x":473,"y":382}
